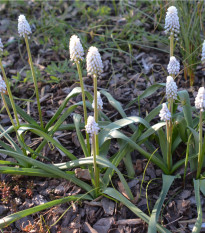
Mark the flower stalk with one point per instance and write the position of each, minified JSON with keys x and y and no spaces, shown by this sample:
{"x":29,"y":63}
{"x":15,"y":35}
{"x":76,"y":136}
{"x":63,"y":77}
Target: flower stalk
{"x":200,"y":155}
{"x":96,"y":112}
{"x":34,"y":80}
{"x":92,"y":128}
{"x":171,"y":45}
{"x":10,"y":94}
{"x":84,"y":103}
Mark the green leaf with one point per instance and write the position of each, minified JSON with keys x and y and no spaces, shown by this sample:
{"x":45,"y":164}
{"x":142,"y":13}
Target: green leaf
{"x":153,"y":113}
{"x":119,"y":124}
{"x":123,"y":151}
{"x":101,"y":161}
{"x":48,"y":168}
{"x":25,"y":171}
{"x":14,"y":217}
{"x":117,"y":106}
{"x":167,"y":181}
{"x":118,"y":196}
{"x":149,"y":91}
{"x":163,"y":144}
{"x":151,"y":130}
{"x":22,"y":113}
{"x":76,"y":119}
{"x":156,"y":160}
{"x":9,"y":139}
{"x":202,"y":186}
{"x":47,"y":137}
{"x":197,"y":226}
{"x":74,"y":92}
{"x":184,"y":98}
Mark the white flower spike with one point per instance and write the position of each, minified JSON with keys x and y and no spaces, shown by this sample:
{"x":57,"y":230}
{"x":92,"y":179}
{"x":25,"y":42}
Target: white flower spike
{"x":94,"y":62}
{"x":203,"y":53}
{"x":171,"y":88}
{"x":76,"y":49}
{"x":23,"y":26}
{"x":2,"y":85}
{"x":172,"y":21}
{"x":1,"y":47}
{"x":173,"y":66}
{"x":164,"y":113}
{"x":92,"y":127}
{"x":99,"y":102}
{"x":200,"y":99}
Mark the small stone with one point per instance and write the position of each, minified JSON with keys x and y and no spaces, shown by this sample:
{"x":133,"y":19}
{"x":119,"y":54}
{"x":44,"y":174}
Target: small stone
{"x":108,"y":206}
{"x":18,"y":201}
{"x":103,"y":225}
{"x":39,"y":200}
{"x":59,"y":190}
{"x":3,"y":209}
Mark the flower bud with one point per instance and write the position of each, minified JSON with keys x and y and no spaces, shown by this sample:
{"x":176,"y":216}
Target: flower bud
{"x":23,"y":26}
{"x":200,"y":99}
{"x":173,"y":66}
{"x":171,"y":88}
{"x":2,"y":85}
{"x":172,"y":21}
{"x":92,"y":127}
{"x":76,"y":49}
{"x":99,"y":102}
{"x":94,"y":62}
{"x":164,"y":113}
{"x":1,"y":47}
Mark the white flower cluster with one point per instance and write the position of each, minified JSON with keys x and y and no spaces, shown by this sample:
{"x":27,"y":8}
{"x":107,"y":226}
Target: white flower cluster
{"x":203,"y":53}
{"x":171,"y":88}
{"x":172,"y":21}
{"x":23,"y":26}
{"x":200,"y":99}
{"x":173,"y":66}
{"x":94,"y":62}
{"x":76,"y":49}
{"x":92,"y":127}
{"x":2,"y":85}
{"x":1,"y":47}
{"x":99,"y":102}
{"x":164,"y":113}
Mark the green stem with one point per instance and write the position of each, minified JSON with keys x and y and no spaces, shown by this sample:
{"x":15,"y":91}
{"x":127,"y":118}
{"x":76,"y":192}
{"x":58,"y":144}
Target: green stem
{"x":96,"y":170}
{"x":186,"y":159}
{"x":84,"y":103}
{"x":8,"y":111}
{"x":9,"y":93}
{"x":171,"y":45}
{"x":34,"y":80}
{"x":169,"y":144}
{"x":12,"y":104}
{"x":200,"y":155}
{"x":96,"y":112}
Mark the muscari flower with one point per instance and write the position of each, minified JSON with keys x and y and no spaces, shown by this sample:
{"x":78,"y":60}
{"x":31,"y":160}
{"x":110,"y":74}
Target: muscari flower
{"x":94,"y":62}
{"x":76,"y":49}
{"x":172,"y":21}
{"x":1,"y":47}
{"x":200,"y":99}
{"x":203,"y":53}
{"x":23,"y":26}
{"x":92,"y":127}
{"x":2,"y":85}
{"x":173,"y":66}
{"x":164,"y":113}
{"x":99,"y":102}
{"x":171,"y":88}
